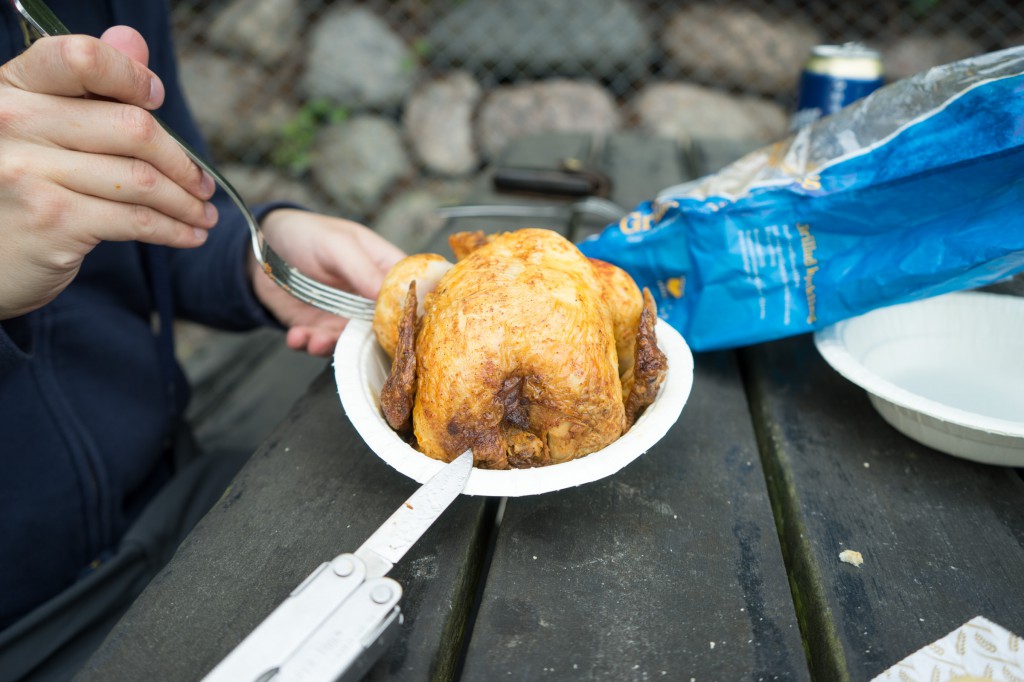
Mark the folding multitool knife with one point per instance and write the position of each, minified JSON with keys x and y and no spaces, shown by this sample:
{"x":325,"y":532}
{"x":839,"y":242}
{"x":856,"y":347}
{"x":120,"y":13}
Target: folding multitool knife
{"x":336,"y":624}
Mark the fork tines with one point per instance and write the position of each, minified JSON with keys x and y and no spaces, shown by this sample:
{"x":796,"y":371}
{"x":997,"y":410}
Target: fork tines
{"x":316,"y":293}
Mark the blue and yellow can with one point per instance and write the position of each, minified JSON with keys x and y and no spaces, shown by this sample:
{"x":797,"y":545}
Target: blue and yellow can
{"x":834,"y":76}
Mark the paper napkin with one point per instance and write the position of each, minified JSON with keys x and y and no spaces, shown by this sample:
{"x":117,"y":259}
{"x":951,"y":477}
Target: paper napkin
{"x":977,"y":650}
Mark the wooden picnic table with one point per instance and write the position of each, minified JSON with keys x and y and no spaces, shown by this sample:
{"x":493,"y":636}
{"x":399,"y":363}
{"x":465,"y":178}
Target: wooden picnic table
{"x":714,"y":556}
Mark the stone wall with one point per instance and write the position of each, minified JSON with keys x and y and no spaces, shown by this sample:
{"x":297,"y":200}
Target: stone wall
{"x":381,"y":111}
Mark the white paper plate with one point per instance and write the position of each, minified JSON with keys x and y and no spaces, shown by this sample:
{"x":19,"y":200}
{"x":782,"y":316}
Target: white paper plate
{"x":947,"y":371}
{"x":361,"y":366}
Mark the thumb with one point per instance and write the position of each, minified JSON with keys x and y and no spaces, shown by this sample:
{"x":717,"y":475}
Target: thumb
{"x":128,"y":41}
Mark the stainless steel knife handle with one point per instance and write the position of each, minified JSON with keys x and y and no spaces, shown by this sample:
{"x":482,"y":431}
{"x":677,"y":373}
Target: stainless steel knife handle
{"x":260,"y":654}
{"x":351,"y":640}
{"x":334,"y":625}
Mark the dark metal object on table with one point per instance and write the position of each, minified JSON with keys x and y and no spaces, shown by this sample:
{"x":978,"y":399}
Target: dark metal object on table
{"x":571,"y":180}
{"x":564,"y":171}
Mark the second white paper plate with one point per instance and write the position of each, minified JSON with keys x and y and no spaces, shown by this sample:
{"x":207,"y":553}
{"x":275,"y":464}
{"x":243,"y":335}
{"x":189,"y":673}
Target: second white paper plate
{"x":947,"y":371}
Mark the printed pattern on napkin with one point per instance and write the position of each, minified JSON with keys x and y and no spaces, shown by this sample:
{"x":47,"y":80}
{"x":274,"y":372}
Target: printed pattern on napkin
{"x":979,"y":649}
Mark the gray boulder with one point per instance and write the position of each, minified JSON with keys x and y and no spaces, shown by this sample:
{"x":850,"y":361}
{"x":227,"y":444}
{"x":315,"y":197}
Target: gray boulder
{"x":356,"y":60}
{"x":265,"y":29}
{"x":261,"y":184}
{"x":603,"y":39}
{"x":228,"y":100}
{"x":545,"y":106}
{"x":686,"y":112}
{"x":918,"y":52}
{"x":410,"y":219}
{"x":726,"y":45}
{"x":439,"y":124}
{"x":357,"y":161}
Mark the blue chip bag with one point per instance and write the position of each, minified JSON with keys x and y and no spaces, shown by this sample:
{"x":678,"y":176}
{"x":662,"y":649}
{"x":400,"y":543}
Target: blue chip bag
{"x":914,"y":191}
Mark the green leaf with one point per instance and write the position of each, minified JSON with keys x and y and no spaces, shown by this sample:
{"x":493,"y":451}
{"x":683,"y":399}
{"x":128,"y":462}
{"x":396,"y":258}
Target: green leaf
{"x":293,"y":151}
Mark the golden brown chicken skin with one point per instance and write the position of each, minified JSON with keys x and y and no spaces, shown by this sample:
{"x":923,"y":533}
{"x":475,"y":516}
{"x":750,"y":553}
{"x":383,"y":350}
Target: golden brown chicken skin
{"x":520,"y":352}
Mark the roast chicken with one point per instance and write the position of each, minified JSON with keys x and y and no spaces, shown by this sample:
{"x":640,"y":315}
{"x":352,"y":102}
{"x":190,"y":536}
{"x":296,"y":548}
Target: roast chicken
{"x":524,"y":350}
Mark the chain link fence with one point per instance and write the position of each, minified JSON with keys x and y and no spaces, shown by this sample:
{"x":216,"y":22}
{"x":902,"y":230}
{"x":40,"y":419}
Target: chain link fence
{"x":381,"y":109}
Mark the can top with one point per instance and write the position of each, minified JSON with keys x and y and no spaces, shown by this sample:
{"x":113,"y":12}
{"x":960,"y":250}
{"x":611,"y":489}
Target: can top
{"x":849,"y":60}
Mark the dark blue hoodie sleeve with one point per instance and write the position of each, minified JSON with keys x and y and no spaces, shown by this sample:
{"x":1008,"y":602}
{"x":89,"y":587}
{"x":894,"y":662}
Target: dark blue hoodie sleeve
{"x":211,"y":285}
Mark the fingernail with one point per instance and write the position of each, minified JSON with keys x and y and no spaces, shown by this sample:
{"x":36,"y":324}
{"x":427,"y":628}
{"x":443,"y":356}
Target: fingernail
{"x":156,"y":92}
{"x":211,"y":213}
{"x":199,"y":234}
{"x":206,"y":184}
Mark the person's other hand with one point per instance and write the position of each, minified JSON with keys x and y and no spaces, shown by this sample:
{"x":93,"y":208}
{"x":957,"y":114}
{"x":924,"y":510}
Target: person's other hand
{"x":82,"y":161}
{"x":341,"y":253}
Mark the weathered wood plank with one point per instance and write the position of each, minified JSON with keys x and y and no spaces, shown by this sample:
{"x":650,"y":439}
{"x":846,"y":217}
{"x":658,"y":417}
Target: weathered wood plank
{"x":314,"y":490}
{"x":243,"y":385}
{"x":942,"y":538}
{"x":670,"y":569}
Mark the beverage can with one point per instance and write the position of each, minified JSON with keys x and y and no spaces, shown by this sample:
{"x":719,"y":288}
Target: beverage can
{"x":834,"y":76}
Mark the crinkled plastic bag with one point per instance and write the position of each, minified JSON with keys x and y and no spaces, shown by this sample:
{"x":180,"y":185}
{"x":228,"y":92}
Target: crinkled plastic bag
{"x":914,"y":191}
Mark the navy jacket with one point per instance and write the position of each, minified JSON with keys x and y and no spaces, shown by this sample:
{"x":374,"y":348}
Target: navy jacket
{"x":90,"y":393}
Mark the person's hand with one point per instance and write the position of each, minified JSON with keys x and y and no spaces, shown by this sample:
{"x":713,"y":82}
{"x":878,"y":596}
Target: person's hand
{"x":82,"y":161}
{"x":341,"y":253}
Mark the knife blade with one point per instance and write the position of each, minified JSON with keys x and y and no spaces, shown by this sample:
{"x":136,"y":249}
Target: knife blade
{"x":392,"y":540}
{"x":319,"y":627}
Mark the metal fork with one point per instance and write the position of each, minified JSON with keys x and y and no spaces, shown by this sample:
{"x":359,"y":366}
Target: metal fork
{"x":297,"y":284}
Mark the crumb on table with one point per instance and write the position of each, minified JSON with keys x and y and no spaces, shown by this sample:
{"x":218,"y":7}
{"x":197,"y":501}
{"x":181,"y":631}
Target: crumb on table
{"x":849,"y":556}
